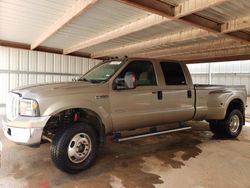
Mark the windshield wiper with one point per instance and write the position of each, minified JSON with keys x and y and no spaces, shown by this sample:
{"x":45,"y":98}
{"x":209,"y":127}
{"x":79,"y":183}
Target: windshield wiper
{"x":92,"y":81}
{"x":84,"y":79}
{"x":97,"y":81}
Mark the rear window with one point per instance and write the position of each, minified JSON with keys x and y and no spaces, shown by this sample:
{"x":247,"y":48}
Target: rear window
{"x":173,"y":73}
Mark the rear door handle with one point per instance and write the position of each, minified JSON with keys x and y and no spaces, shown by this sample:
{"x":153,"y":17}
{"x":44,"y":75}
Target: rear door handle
{"x":159,"y":94}
{"x":189,"y":93}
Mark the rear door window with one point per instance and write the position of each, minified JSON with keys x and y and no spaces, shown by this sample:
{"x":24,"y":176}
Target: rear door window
{"x":173,"y":73}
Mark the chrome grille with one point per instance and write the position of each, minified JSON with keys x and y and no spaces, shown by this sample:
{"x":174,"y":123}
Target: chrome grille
{"x":12,"y":106}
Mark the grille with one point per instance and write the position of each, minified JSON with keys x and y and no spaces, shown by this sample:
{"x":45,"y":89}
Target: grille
{"x":12,"y":106}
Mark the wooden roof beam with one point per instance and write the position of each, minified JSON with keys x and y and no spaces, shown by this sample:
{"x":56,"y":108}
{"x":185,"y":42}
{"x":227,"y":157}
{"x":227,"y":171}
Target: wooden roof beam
{"x":236,"y":25}
{"x":153,"y":6}
{"x":229,"y":29}
{"x":192,"y":6}
{"x":218,"y":59}
{"x":218,"y":28}
{"x":215,"y":44}
{"x":233,"y":51}
{"x":235,"y":28}
{"x":163,"y":40}
{"x":78,"y":8}
{"x":187,"y":12}
{"x":167,"y":13}
{"x":149,"y":21}
{"x":231,"y":32}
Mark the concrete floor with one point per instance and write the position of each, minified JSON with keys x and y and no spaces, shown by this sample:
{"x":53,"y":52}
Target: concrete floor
{"x":190,"y":159}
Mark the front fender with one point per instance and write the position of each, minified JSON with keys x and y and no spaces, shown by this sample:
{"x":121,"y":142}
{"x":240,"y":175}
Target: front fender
{"x":100,"y":110}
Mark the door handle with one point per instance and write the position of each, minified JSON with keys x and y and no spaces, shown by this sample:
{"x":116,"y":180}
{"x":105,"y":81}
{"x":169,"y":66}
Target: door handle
{"x":159,"y":94}
{"x":189,"y":93}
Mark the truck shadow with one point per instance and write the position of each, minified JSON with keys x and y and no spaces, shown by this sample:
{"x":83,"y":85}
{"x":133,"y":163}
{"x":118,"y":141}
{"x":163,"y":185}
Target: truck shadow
{"x":125,"y":161}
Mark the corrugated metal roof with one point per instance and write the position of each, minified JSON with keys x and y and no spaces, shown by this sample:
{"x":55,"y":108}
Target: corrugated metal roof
{"x":227,"y":10}
{"x":24,"y":21}
{"x":105,"y":16}
{"x":113,"y":44}
{"x":146,"y":34}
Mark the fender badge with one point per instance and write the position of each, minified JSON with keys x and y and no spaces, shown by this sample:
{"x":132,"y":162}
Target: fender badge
{"x":101,"y":97}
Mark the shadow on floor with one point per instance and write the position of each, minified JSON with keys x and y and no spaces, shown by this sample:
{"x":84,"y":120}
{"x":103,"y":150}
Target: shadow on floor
{"x":33,"y":167}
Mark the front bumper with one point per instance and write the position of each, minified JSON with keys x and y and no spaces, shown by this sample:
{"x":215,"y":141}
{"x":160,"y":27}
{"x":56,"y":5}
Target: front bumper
{"x":24,"y":130}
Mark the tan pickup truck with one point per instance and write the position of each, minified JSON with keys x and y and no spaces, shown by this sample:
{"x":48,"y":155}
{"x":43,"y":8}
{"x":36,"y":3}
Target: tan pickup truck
{"x":114,"y":96}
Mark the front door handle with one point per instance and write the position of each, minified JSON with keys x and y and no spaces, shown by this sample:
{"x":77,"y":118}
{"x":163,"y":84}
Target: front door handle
{"x":159,"y":94}
{"x":189,"y":93}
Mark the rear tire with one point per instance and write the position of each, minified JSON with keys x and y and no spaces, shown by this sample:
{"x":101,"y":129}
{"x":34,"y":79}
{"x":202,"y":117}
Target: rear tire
{"x":232,"y":124}
{"x":230,"y":127}
{"x":74,"y":148}
{"x":215,"y":128}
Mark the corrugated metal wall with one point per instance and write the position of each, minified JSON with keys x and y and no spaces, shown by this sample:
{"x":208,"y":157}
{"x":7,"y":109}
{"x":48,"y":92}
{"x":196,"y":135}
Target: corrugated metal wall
{"x":228,"y":73}
{"x":20,"y":67}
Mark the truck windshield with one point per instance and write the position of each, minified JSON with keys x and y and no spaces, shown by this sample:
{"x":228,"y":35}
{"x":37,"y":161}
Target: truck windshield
{"x":101,"y":73}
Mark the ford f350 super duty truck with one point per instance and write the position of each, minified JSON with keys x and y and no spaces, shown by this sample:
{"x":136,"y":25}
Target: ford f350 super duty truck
{"x":114,"y":96}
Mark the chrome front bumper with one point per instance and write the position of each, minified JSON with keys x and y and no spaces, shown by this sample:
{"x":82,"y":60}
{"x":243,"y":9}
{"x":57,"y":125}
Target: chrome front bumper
{"x":24,"y":130}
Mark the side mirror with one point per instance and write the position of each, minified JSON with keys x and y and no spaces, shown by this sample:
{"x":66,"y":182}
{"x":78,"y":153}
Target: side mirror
{"x":130,"y":80}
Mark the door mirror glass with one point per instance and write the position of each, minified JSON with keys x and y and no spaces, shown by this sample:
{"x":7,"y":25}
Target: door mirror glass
{"x":127,"y":82}
{"x":130,"y":80}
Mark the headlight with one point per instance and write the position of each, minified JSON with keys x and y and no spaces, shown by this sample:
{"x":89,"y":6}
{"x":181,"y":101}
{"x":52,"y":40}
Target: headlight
{"x":28,"y":107}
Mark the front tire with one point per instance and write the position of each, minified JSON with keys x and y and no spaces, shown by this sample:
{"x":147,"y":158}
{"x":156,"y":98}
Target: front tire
{"x":74,"y":148}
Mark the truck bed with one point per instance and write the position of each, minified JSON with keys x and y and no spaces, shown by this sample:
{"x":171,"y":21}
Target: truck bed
{"x":212,"y":100}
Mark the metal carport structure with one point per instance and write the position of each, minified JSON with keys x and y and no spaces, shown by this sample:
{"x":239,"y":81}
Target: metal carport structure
{"x":185,"y":30}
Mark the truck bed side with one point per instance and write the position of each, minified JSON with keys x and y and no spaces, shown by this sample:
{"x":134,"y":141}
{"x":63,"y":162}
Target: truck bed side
{"x":212,"y":101}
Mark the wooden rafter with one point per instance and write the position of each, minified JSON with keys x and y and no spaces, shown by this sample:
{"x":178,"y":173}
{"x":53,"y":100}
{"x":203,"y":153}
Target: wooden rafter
{"x":218,"y":59}
{"x":201,"y":46}
{"x":236,"y":25}
{"x":186,"y":12}
{"x":192,"y":6}
{"x":232,"y":51}
{"x":40,"y":48}
{"x":165,"y":13}
{"x":133,"y":27}
{"x":153,"y":6}
{"x":163,"y":40}
{"x":78,"y":8}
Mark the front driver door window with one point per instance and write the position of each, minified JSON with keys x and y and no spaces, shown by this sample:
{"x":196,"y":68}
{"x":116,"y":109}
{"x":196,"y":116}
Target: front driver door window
{"x":144,"y":72}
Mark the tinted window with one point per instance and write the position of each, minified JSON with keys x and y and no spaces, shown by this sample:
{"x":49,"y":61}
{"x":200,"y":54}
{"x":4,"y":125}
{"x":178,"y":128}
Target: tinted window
{"x":173,"y":73}
{"x":144,"y":71}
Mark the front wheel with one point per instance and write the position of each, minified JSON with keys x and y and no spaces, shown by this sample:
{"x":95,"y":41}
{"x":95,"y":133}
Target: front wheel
{"x":74,"y":148}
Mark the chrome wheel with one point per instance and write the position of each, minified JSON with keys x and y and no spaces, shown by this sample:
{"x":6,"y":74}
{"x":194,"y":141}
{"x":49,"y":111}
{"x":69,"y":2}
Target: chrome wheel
{"x":234,"y":124}
{"x":79,"y":148}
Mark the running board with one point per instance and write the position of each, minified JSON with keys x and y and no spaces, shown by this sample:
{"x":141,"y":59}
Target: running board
{"x":118,"y":139}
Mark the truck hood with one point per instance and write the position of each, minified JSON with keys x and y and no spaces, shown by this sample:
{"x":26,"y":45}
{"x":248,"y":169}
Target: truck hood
{"x":55,"y":89}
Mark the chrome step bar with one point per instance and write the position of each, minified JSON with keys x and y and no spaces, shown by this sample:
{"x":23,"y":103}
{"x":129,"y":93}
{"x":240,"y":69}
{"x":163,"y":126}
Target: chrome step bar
{"x":151,"y":134}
